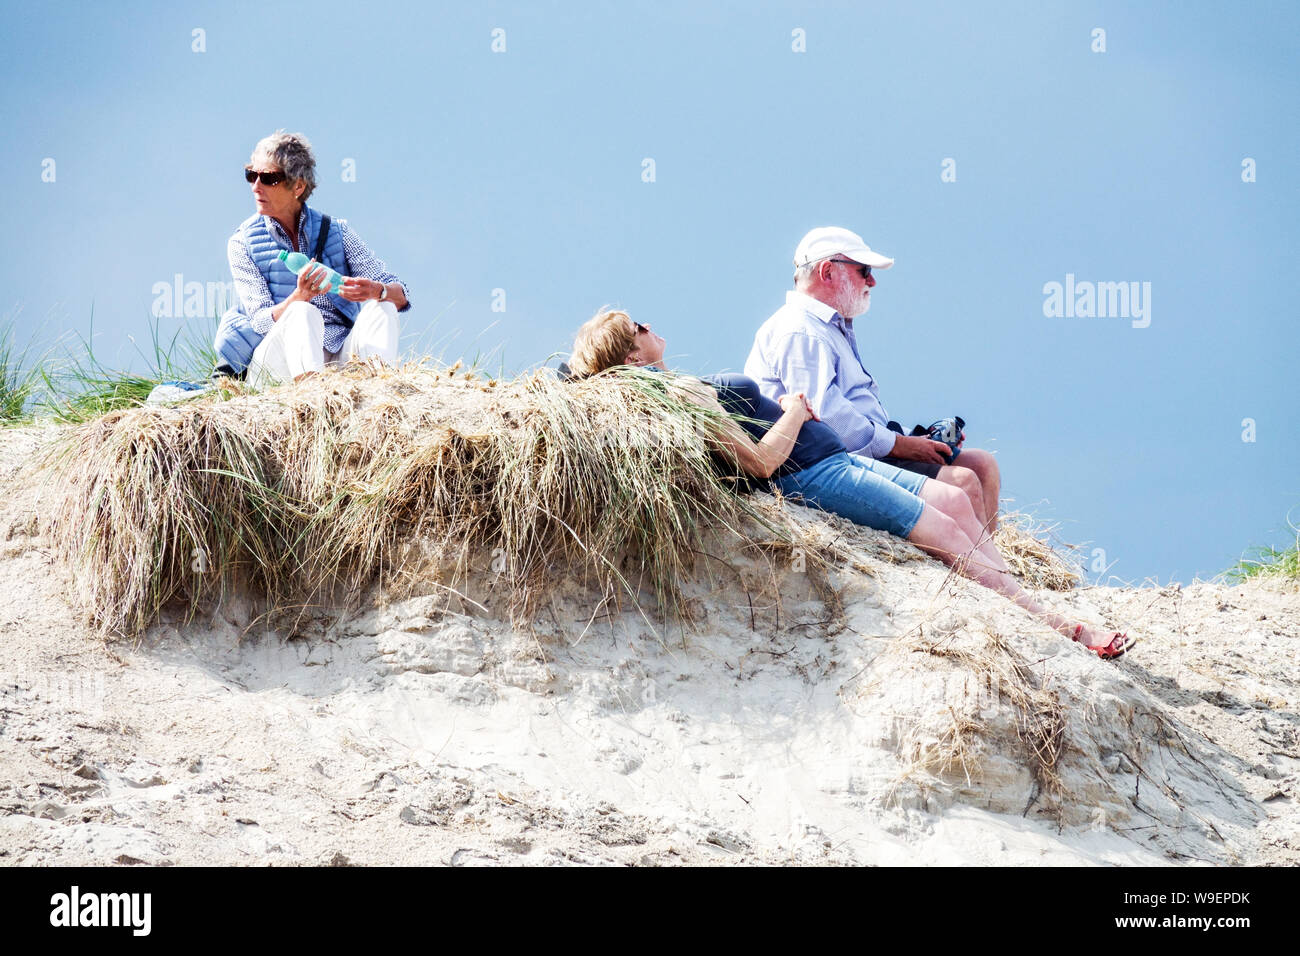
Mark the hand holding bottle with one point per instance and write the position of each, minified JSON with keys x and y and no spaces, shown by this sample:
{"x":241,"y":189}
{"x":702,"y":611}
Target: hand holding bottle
{"x":313,"y":278}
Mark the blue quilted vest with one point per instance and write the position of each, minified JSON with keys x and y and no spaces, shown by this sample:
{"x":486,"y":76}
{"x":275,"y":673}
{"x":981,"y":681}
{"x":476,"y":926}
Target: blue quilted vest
{"x":236,"y":339}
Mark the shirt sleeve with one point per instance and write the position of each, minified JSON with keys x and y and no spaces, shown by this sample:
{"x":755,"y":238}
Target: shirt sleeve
{"x":364,"y":264}
{"x":254,"y":294}
{"x":806,"y":364}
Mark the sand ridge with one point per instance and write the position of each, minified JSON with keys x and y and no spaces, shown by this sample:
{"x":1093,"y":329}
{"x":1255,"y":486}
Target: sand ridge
{"x":902,"y":716}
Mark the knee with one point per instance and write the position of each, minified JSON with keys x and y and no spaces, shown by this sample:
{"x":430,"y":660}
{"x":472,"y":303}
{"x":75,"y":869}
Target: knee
{"x":982,"y":463}
{"x":968,"y":481}
{"x":949,"y":499}
{"x":937,"y":531}
{"x":302,"y":315}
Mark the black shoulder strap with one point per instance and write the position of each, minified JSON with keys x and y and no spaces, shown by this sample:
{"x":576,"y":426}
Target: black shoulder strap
{"x":320,"y":238}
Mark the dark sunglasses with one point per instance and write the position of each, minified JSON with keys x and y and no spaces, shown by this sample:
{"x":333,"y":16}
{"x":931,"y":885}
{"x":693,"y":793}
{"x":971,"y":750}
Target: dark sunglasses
{"x":639,"y":327}
{"x":866,"y":270}
{"x":268,"y":179}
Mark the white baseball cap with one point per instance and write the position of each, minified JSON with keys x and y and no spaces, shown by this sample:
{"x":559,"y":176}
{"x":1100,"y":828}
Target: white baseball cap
{"x":827,"y":241}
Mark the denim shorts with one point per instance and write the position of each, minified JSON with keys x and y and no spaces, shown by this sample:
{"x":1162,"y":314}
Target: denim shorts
{"x":861,"y":489}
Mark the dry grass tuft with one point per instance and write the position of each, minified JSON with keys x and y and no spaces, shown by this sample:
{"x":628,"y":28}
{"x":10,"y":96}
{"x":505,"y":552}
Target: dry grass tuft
{"x":1028,"y":552}
{"x":309,"y":492}
{"x":811,"y":554}
{"x":988,"y":692}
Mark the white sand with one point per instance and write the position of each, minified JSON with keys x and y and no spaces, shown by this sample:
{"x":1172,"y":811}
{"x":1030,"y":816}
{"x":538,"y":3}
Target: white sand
{"x":409,"y":733}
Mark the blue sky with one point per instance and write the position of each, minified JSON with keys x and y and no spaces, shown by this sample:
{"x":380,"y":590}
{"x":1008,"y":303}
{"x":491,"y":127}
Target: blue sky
{"x":523,"y":171}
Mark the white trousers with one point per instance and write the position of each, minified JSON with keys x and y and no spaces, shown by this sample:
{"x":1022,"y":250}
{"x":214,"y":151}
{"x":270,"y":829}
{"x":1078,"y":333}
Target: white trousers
{"x":296,"y":343}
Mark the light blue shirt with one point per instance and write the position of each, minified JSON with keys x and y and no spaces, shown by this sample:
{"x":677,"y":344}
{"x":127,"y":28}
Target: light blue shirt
{"x":806,"y":346}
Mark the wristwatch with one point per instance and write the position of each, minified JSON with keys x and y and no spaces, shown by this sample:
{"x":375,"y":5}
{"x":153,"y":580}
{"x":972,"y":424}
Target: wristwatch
{"x":383,"y":296}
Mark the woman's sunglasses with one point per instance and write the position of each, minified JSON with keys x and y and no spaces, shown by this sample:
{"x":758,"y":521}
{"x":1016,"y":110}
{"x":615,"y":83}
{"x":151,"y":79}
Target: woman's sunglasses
{"x":268,"y":179}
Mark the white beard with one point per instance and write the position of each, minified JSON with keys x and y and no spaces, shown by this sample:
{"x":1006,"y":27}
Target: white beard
{"x":866,"y":307}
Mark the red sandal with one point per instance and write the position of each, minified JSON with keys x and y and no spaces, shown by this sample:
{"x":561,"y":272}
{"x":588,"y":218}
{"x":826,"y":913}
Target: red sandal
{"x":1118,"y":646}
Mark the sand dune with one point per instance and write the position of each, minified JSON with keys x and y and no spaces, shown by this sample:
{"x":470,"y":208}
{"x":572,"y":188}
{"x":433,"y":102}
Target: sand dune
{"x":872,"y":711}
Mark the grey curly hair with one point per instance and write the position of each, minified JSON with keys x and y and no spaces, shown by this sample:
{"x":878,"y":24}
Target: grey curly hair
{"x":292,"y":153}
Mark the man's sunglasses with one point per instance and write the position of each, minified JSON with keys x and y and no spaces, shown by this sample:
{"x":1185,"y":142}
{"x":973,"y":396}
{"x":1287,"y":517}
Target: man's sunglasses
{"x":866,"y":270}
{"x":268,"y":179}
{"x":639,"y":327}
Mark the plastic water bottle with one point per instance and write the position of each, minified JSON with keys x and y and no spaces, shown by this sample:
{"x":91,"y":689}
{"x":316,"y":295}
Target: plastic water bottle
{"x":296,"y":262}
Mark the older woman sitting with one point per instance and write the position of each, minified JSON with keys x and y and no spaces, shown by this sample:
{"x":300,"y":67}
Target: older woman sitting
{"x":805,"y":460}
{"x":292,"y":324}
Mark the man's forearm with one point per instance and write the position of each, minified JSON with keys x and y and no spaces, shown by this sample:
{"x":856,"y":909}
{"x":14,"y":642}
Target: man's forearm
{"x":861,"y":433}
{"x":872,"y":439}
{"x":883,"y":443}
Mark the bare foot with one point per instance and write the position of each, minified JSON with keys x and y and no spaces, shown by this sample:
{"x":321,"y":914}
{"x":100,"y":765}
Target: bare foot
{"x":1107,"y":645}
{"x":1089,"y":637}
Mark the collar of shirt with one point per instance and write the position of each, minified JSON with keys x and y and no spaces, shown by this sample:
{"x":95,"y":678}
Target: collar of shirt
{"x":810,"y":305}
{"x":821,"y":310}
{"x":274,"y":225}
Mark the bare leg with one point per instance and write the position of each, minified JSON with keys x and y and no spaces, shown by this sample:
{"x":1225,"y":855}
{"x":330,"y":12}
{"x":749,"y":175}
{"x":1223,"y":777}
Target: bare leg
{"x":951,"y":501}
{"x":965,"y":480}
{"x":941,"y":535}
{"x":985,"y":468}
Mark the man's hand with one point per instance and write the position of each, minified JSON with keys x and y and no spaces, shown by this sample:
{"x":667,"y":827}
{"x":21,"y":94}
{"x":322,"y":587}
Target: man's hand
{"x":921,"y":449}
{"x":360,"y":290}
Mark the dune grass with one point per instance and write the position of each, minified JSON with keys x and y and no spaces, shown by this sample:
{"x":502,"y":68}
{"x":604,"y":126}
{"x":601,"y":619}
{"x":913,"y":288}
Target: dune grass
{"x":78,"y":385}
{"x":999,"y":696}
{"x":1027,"y":546}
{"x":1266,"y":561}
{"x":311,"y":492}
{"x":19,"y":378}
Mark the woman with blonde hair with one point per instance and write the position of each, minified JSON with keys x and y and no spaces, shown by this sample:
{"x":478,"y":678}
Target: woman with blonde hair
{"x":787,"y":445}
